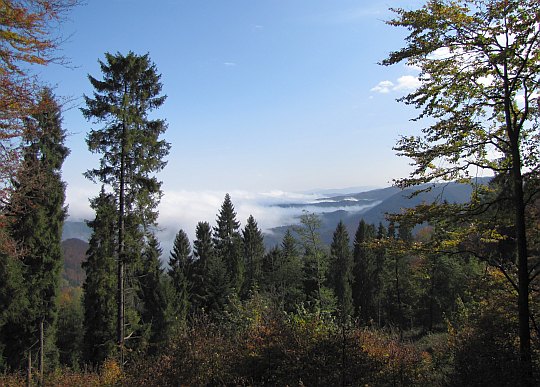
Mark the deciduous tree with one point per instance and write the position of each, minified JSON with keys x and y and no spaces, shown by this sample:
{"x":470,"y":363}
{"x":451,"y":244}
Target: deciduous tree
{"x":479,"y":63}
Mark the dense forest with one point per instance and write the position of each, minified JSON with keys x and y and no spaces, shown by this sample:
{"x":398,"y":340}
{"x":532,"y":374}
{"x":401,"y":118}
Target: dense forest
{"x":442,"y":294}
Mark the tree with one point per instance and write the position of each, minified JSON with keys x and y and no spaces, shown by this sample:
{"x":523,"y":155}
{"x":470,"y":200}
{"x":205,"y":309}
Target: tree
{"x":181,"y":272}
{"x":130,"y":146}
{"x":152,"y":293}
{"x":211,"y":279}
{"x":367,"y":270}
{"x":70,"y":328}
{"x":479,"y":64}
{"x":228,"y":244}
{"x":282,"y":274}
{"x":29,"y":38}
{"x":315,"y":262}
{"x":38,"y":229}
{"x":100,"y":282}
{"x":341,"y":276}
{"x":253,"y":242}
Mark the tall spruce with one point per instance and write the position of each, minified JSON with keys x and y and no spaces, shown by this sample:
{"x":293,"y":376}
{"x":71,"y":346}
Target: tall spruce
{"x":253,"y":242}
{"x":130,"y":147}
{"x":40,"y":192}
{"x":341,"y":265}
{"x":99,"y":287}
{"x":228,"y":244}
{"x":181,"y":273}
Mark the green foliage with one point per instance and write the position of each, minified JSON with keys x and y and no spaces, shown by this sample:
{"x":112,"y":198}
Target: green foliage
{"x":340,"y":274}
{"x":181,"y":272}
{"x":152,"y":294}
{"x":479,"y":63}
{"x":228,"y":244}
{"x":211,"y":285}
{"x":129,"y":142}
{"x":253,"y":242}
{"x":282,"y":274}
{"x":37,"y":227}
{"x":70,"y":332}
{"x":99,"y":288}
{"x":131,"y":153}
{"x":367,"y":272}
{"x":316,"y":264}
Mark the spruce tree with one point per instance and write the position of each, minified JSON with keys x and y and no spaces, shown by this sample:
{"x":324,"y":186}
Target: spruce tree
{"x":152,"y":294}
{"x":253,"y":242}
{"x":341,"y":277}
{"x":228,"y":244}
{"x":131,"y":150}
{"x":181,"y":274}
{"x":40,"y":192}
{"x":290,"y":273}
{"x":99,"y":287}
{"x":211,"y":280}
{"x":366,"y":272}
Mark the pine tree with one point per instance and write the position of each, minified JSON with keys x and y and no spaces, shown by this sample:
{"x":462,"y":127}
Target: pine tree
{"x":131,"y":150}
{"x":40,"y":191}
{"x":341,"y":277}
{"x":99,"y":287}
{"x":253,"y":242}
{"x":181,"y":274}
{"x":228,"y":244}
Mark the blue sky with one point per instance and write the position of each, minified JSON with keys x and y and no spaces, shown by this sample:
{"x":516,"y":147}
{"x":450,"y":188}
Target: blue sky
{"x":265,"y":97}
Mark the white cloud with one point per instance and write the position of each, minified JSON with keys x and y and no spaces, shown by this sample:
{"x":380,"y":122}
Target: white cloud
{"x":229,"y":64}
{"x":440,"y":53}
{"x":407,"y":82}
{"x":184,"y":209}
{"x":383,"y":87}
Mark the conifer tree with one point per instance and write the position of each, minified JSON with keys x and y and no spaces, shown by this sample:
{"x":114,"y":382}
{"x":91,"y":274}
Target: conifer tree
{"x":131,"y":150}
{"x":154,"y":324}
{"x":253,"y":242}
{"x":181,"y":274}
{"x":367,"y":273}
{"x":290,"y":274}
{"x":38,"y":228}
{"x":211,"y":279}
{"x":341,"y":270}
{"x":315,"y":263}
{"x":99,"y":287}
{"x":228,"y":244}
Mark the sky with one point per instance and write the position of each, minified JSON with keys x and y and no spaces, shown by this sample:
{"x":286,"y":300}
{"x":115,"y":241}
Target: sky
{"x":266,"y":99}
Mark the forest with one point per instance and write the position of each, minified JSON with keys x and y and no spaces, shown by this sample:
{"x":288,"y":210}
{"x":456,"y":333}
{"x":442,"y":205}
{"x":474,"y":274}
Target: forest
{"x":442,"y":294}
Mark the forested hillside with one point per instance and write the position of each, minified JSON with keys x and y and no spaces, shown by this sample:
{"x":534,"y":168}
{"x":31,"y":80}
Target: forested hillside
{"x":431,"y":282}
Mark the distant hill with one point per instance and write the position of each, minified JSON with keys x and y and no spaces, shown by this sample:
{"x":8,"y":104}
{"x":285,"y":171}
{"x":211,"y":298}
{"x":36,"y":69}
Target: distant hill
{"x":76,"y":230}
{"x":372,"y":206}
{"x":74,"y":251}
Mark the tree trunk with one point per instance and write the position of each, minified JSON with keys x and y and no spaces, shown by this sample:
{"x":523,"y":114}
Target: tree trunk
{"x":513,"y":131}
{"x":41,"y":352}
{"x":121,"y":243}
